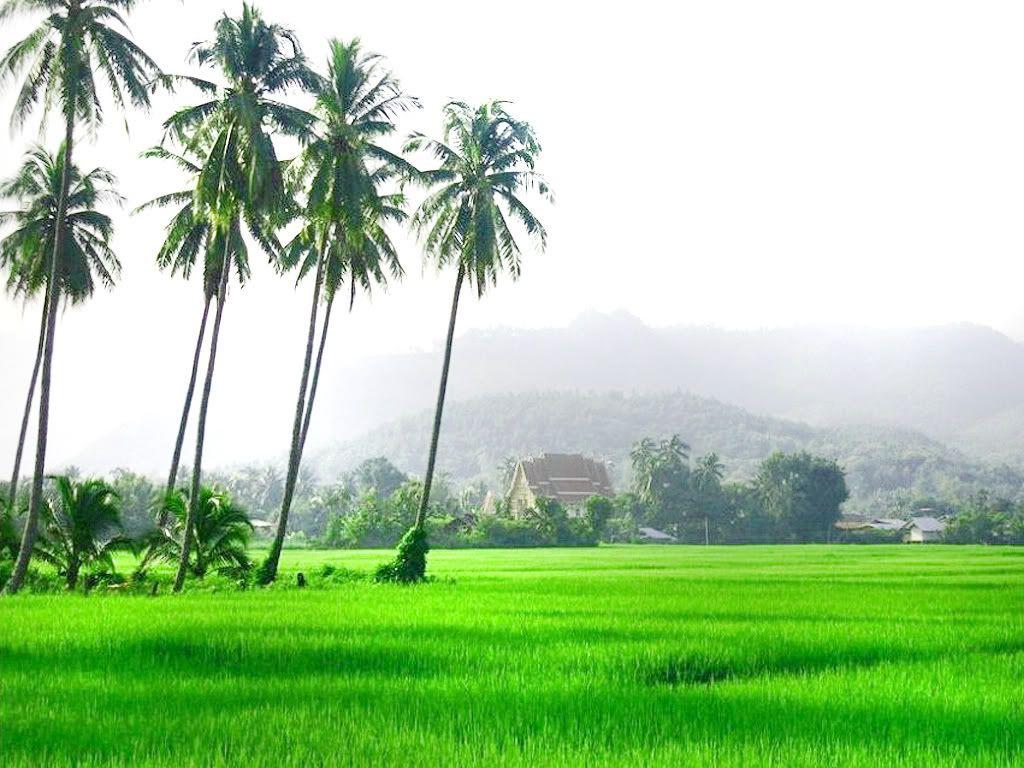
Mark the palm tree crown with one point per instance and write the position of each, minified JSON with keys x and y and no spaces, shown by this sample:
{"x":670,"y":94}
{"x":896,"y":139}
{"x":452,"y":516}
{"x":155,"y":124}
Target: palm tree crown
{"x":78,"y":44}
{"x":191,"y":235}
{"x":86,"y":256}
{"x":259,"y":62}
{"x":487,"y":160}
{"x":342,"y":168}
{"x":220,"y":536}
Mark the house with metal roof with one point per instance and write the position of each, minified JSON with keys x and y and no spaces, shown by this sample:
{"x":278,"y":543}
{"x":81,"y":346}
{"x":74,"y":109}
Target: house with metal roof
{"x":655,"y":536}
{"x":568,"y":478}
{"x":922,"y":530}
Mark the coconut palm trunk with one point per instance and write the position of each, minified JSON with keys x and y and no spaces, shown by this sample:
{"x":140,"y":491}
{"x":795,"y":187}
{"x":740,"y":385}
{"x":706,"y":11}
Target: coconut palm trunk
{"x":172,"y":476}
{"x":28,"y":538}
{"x":428,"y":479}
{"x":204,"y":405}
{"x":269,"y":570}
{"x":316,"y":372}
{"x":26,"y":417}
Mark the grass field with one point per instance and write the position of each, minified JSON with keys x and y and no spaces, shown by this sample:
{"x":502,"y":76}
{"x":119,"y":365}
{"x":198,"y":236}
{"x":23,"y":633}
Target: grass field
{"x":626,"y":656}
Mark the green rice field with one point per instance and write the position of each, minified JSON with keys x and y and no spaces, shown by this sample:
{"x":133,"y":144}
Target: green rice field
{"x":614,"y":656}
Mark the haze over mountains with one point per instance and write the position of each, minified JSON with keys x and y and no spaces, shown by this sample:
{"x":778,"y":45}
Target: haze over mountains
{"x":961,"y":384}
{"x":956,"y":385}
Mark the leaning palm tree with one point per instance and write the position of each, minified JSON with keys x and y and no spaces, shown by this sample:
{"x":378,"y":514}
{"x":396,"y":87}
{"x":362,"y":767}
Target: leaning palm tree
{"x":78,"y":44}
{"x":82,"y":527}
{"x":343,"y":237}
{"x":86,"y":257}
{"x":189,"y":237}
{"x":241,"y":178}
{"x":220,"y":533}
{"x":487,"y":160}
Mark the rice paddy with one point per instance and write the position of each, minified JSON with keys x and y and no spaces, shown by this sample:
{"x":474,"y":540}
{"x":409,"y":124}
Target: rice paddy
{"x":615,"y":656}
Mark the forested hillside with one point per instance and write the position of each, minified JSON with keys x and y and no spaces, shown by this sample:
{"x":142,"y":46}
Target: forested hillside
{"x":885,"y":465}
{"x":957,"y":384}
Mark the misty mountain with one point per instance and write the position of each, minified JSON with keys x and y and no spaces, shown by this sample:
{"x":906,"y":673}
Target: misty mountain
{"x":961,"y":384}
{"x":882,"y":463}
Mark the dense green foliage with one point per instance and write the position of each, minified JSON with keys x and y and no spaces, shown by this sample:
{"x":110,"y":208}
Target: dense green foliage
{"x":986,"y":520}
{"x":621,"y":656}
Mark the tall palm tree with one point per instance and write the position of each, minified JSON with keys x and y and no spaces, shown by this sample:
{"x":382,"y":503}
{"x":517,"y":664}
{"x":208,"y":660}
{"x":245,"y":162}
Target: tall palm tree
{"x":77,"y":44}
{"x":487,"y":160}
{"x":707,"y":479}
{"x":241,"y":177}
{"x":343,"y":235}
{"x":190,"y":235}
{"x":82,"y":528}
{"x":86,"y":257}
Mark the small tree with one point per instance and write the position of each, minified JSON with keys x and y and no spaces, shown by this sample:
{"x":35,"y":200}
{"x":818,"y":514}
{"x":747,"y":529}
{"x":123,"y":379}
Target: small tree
{"x":661,"y":478}
{"x":802,"y":494}
{"x":599,"y":511}
{"x":220,"y":537}
{"x":379,"y":475}
{"x":81,"y":527}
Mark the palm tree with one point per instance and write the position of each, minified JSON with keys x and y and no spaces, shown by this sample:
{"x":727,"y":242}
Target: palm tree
{"x":643,"y":458}
{"x":220,"y":533}
{"x":77,"y":44}
{"x":241,"y":177}
{"x":189,"y":235}
{"x":82,"y":527}
{"x":661,"y":477}
{"x":343,"y":237}
{"x":487,"y":160}
{"x":707,"y":478}
{"x":86,"y":257}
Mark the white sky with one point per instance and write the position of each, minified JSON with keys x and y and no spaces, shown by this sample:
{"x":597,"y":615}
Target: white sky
{"x":741,"y":164}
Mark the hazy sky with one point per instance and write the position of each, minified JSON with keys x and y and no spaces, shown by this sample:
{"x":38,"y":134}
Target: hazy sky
{"x":740,"y":164}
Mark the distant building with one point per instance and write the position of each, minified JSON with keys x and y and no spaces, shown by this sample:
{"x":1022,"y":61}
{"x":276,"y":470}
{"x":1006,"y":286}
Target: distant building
{"x":655,"y":536}
{"x":263,"y":527}
{"x":887,"y":524}
{"x":922,"y":530}
{"x":568,"y":478}
{"x":875,"y":524}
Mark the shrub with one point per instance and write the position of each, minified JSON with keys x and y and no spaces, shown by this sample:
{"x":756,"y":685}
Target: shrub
{"x":410,"y":564}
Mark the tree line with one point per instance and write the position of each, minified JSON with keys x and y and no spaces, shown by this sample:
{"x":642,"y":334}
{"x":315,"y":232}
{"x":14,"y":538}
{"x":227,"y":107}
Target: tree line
{"x":343,"y":194}
{"x":792,"y":498}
